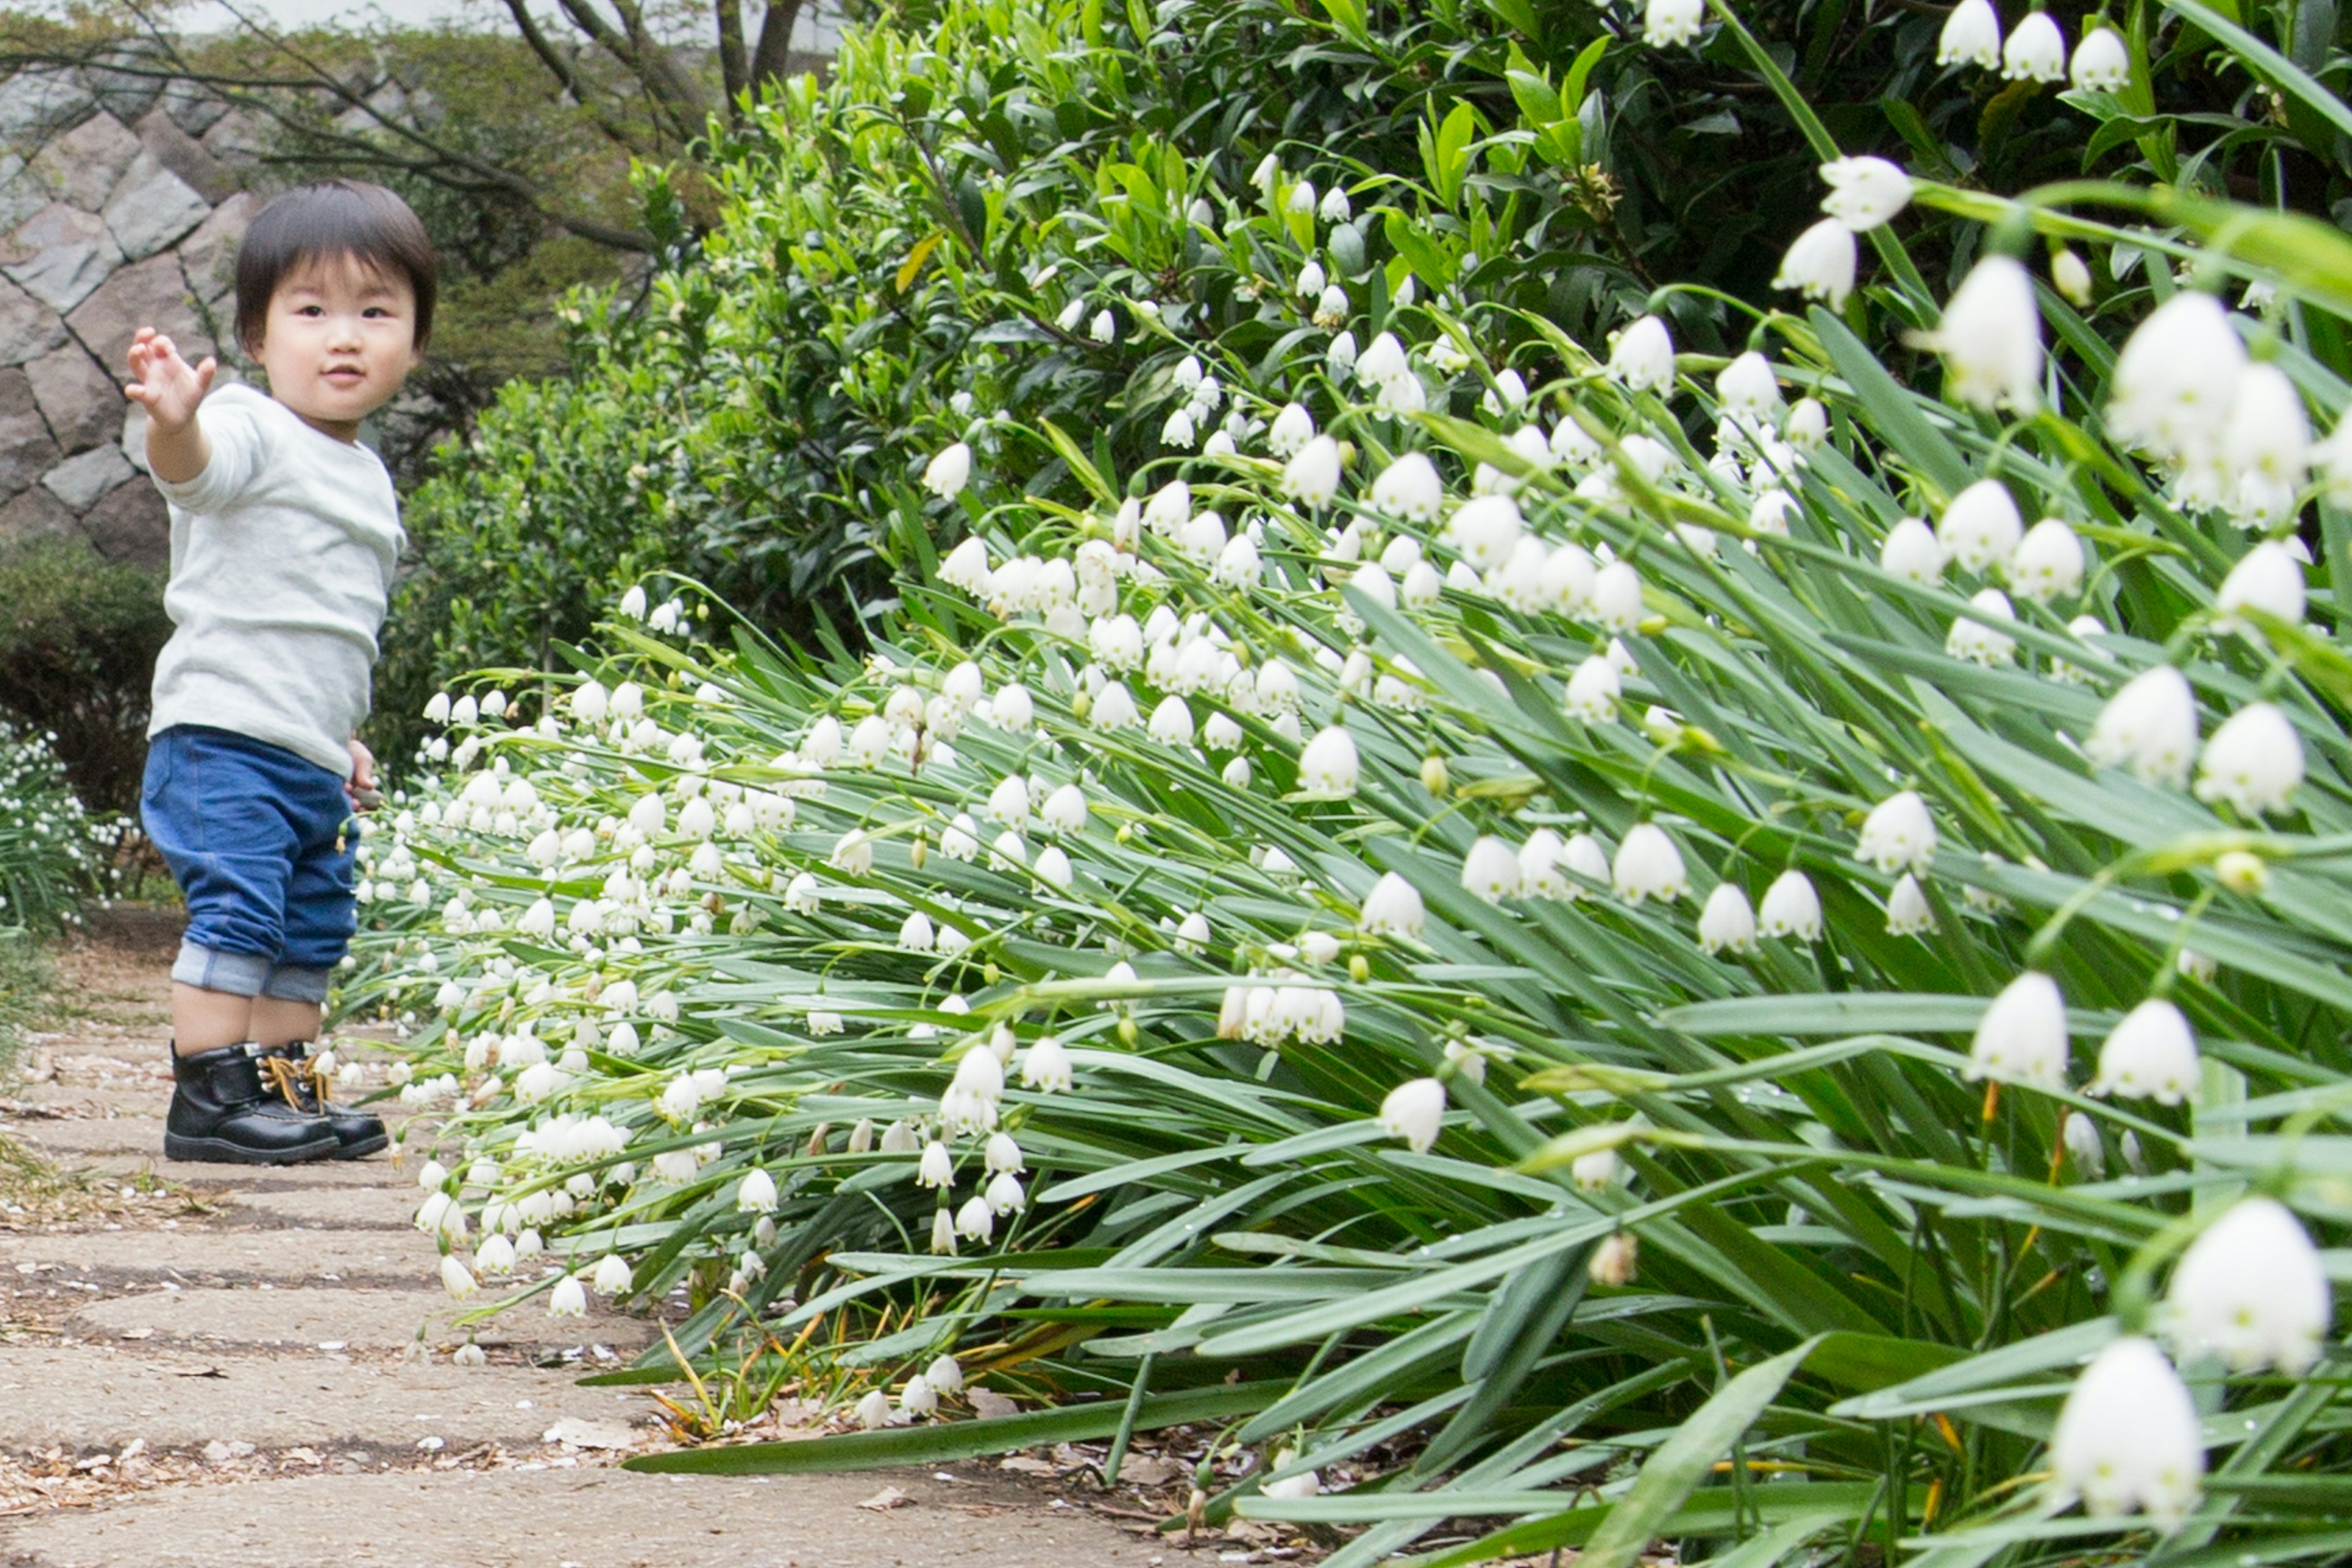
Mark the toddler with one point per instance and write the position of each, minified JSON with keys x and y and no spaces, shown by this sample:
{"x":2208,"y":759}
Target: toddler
{"x":285,"y":533}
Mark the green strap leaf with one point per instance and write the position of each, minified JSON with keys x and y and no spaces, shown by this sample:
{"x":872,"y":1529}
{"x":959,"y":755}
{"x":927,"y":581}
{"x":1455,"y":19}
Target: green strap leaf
{"x":1683,"y":1461}
{"x":953,"y":1440}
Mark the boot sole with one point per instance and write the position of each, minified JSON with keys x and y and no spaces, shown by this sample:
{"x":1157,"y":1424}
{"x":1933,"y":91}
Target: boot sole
{"x":364,"y":1147}
{"x":221,"y":1152}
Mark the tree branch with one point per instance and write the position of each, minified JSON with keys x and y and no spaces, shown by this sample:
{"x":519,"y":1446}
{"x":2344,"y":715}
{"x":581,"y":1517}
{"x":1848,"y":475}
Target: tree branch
{"x":775,"y":43}
{"x":437,"y":158}
{"x":731,"y":68}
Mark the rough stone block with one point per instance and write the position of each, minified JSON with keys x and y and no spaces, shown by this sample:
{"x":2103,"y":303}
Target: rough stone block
{"x":186,"y":156}
{"x":135,"y":434}
{"x":35,"y":102}
{"x":83,"y":403}
{"x":27,"y":452}
{"x":193,"y":108}
{"x":82,"y":167}
{"x":36,"y":514}
{"x":61,"y":255}
{"x":241,"y":136}
{"x":130,"y":524}
{"x":125,"y":94}
{"x":150,"y":293}
{"x":209,"y":255}
{"x":21,"y":193}
{"x":151,"y":207}
{"x":28,"y":329}
{"x":80,"y":481}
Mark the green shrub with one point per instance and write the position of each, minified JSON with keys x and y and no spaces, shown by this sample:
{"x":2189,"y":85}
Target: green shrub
{"x":885,"y":236}
{"x":53,"y":853}
{"x":1690,"y":1006}
{"x":78,"y":637}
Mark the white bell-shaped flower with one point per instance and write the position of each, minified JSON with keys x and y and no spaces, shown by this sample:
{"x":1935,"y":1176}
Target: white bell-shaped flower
{"x":1484,"y":530}
{"x":1312,"y":476}
{"x":2101,"y":63}
{"x":1982,"y":641}
{"x":756,"y":1193}
{"x":2170,"y":391}
{"x":1864,"y":192}
{"x":2254,"y":762}
{"x":2267,"y":432}
{"x":1648,"y":865}
{"x":2267,"y":578}
{"x":2151,"y":1054}
{"x":1593,"y":690}
{"x":1292,"y":428}
{"x":1491,"y":870}
{"x":2022,"y":1038}
{"x":1667,"y":23}
{"x":1726,"y":924}
{"x":1913,"y":551}
{"x":1045,"y":1066}
{"x":946,"y":474}
{"x":2047,"y":564}
{"x":1616,"y":603}
{"x":1899,"y":835}
{"x":2150,"y":725}
{"x":1981,"y":529}
{"x":1328,"y":765}
{"x":1990,"y":337}
{"x":1971,"y":36}
{"x":2036,"y":50}
{"x":1908,"y":913}
{"x":1414,"y":1110}
{"x":2251,"y":1288}
{"x":2128,"y":1437}
{"x":1820,"y":264}
{"x":1792,"y":908}
{"x":1393,"y":908}
{"x":1409,"y":488}
{"x":1642,"y":356}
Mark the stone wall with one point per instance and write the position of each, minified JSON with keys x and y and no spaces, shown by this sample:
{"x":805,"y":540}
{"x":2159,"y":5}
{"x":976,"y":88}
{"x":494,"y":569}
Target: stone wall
{"x":122,"y":205}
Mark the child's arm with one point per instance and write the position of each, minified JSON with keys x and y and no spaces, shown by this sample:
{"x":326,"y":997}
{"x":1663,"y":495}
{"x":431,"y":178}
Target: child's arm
{"x":169,"y":389}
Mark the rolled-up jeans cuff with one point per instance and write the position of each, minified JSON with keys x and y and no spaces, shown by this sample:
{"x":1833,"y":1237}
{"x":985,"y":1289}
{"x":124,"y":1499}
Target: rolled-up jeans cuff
{"x":292,"y":982}
{"x":211,"y":969}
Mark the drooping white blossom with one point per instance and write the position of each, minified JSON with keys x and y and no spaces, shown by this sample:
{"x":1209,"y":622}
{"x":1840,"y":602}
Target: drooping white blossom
{"x":1990,"y":337}
{"x":1648,"y":865}
{"x":2253,"y":761}
{"x":2128,"y":1437}
{"x":2022,"y":1038}
{"x":2150,"y":725}
{"x":1727,"y":922}
{"x":1414,"y":1110}
{"x":2151,"y":1054}
{"x":2252,"y":1289}
{"x":1971,"y":36}
{"x":1864,"y":192}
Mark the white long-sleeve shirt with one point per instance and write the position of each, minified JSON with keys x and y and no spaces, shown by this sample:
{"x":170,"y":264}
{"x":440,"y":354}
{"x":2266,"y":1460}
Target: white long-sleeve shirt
{"x":282,"y":558}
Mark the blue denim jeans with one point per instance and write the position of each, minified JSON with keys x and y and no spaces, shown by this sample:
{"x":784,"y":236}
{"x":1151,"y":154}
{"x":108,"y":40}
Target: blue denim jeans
{"x":255,"y":837}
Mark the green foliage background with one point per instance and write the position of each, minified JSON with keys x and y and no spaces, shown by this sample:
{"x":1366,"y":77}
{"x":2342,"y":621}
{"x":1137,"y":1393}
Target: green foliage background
{"x":881,"y":237}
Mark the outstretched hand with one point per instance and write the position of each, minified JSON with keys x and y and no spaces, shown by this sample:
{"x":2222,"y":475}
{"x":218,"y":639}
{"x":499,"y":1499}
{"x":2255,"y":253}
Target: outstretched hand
{"x":166,"y":385}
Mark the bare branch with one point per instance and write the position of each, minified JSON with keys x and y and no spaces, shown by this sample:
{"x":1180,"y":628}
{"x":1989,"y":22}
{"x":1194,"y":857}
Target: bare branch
{"x":436,"y":157}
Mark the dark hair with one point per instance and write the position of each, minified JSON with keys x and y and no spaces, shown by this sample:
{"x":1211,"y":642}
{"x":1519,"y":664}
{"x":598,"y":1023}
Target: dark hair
{"x":333,"y":217}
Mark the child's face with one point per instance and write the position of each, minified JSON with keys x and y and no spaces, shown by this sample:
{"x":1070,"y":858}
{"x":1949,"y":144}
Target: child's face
{"x":339,"y":339}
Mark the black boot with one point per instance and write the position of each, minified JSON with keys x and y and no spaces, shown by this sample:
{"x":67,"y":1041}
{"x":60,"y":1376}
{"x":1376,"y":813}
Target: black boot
{"x":221,"y":1113}
{"x":290,"y":1073}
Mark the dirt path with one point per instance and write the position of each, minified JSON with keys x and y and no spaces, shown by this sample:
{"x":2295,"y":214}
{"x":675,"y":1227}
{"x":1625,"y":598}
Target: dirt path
{"x":218,"y":1367}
